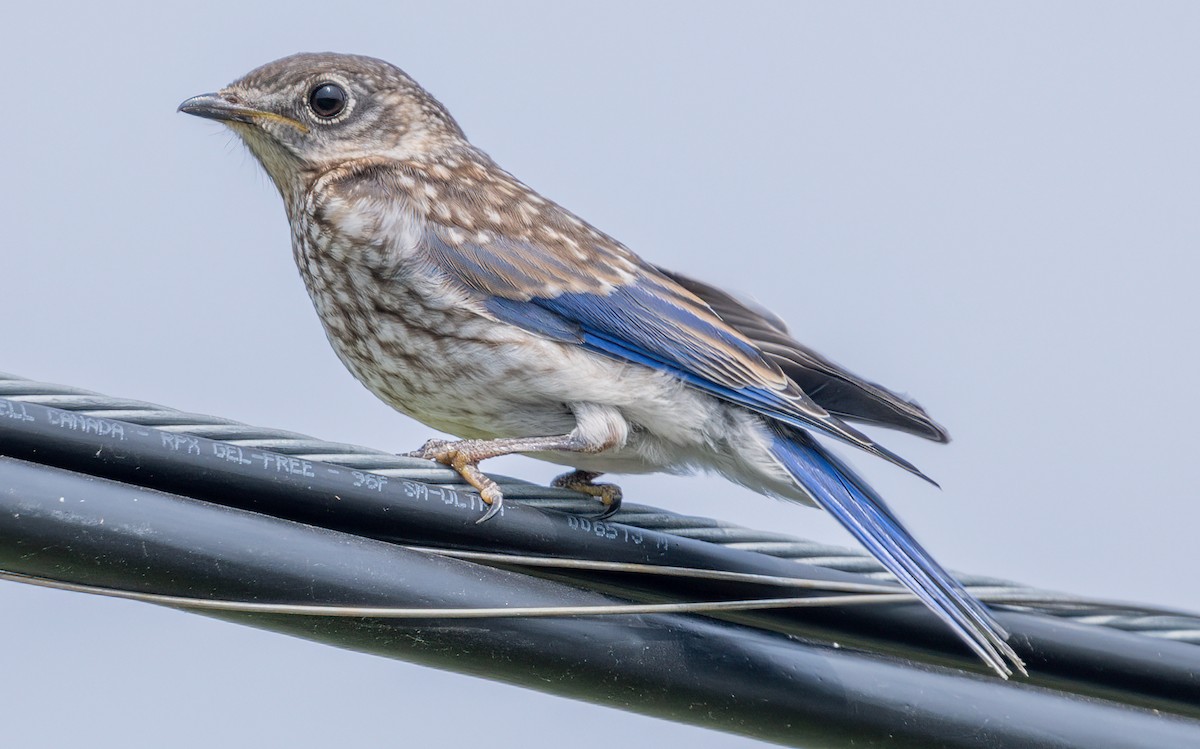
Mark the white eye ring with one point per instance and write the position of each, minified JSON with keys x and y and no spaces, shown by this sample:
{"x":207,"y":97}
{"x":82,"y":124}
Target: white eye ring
{"x":327,"y":100}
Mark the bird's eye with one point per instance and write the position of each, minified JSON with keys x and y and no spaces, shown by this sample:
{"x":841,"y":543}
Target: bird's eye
{"x":327,"y":100}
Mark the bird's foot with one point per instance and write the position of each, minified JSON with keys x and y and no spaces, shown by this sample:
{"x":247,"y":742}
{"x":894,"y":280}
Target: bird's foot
{"x":584,"y":482}
{"x":464,"y":457}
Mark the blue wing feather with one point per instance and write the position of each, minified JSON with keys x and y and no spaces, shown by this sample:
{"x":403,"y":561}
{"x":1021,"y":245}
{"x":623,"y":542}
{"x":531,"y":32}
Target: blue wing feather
{"x":536,"y":319}
{"x":634,"y":323}
{"x":643,"y":318}
{"x":841,"y":493}
{"x":579,"y":320}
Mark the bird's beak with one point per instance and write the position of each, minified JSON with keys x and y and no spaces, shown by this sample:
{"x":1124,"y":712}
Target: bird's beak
{"x":217,"y":107}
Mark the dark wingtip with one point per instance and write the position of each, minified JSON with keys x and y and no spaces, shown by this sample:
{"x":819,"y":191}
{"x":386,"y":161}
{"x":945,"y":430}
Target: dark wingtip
{"x":894,"y":459}
{"x":938,"y":433}
{"x":835,"y":427}
{"x":923,"y":425}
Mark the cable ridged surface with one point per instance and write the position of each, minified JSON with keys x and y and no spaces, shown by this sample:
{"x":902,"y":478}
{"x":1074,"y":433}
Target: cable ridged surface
{"x":1170,"y":626}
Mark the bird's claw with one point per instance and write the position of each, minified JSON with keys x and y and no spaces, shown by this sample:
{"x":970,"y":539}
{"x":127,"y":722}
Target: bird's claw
{"x":611,"y":507}
{"x":584,"y":482}
{"x":495,"y":500}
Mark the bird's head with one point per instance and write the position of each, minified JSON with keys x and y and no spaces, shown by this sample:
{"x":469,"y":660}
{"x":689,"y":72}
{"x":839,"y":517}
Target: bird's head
{"x":306,"y":114}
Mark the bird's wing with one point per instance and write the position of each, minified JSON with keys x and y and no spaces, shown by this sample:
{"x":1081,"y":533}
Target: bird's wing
{"x":604,"y":298}
{"x":840,"y":392}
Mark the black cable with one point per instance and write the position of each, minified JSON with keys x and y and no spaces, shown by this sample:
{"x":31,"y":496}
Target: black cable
{"x":726,"y":676}
{"x":1062,"y":655}
{"x":1122,"y":667}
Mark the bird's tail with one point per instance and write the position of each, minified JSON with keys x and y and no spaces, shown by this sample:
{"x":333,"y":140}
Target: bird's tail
{"x":837,"y":489}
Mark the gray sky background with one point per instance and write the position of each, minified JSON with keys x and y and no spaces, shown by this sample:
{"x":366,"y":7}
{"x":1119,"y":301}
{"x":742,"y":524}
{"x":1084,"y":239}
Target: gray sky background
{"x":991,"y":207}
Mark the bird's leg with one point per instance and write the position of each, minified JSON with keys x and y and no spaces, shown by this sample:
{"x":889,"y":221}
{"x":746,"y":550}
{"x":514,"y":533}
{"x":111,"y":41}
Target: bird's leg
{"x":464,"y":456}
{"x":584,"y":482}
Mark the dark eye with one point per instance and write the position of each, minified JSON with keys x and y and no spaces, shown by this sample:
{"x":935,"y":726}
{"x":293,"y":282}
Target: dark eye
{"x":327,"y":100}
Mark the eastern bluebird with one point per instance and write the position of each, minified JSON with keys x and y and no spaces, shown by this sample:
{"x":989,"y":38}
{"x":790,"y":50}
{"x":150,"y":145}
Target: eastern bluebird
{"x":463,"y":298}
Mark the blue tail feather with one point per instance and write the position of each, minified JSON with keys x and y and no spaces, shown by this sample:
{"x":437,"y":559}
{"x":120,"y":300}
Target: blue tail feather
{"x":841,"y":493}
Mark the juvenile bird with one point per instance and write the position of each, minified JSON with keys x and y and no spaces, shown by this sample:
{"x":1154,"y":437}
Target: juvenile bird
{"x":465,"y":299}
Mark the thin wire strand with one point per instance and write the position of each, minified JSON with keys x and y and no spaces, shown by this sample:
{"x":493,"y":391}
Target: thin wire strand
{"x":991,"y":593}
{"x":391,"y":612}
{"x":507,"y":612}
{"x":663,"y":570}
